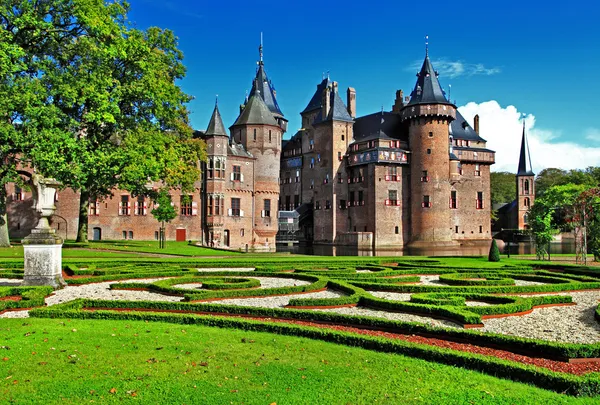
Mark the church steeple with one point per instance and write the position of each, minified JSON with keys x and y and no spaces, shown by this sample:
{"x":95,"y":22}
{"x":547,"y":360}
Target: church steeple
{"x":525,"y":168}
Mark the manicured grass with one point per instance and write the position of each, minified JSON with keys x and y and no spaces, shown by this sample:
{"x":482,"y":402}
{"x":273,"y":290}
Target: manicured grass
{"x":172,"y":248}
{"x":56,"y":361}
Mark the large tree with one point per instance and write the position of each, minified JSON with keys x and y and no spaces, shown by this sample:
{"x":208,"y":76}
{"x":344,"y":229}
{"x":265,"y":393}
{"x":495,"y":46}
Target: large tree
{"x":110,"y":99}
{"x":503,"y":187}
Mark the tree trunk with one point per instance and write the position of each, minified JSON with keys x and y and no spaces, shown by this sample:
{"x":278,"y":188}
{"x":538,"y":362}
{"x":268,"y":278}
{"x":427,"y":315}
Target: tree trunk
{"x":82,"y":225}
{"x":4,"y":238}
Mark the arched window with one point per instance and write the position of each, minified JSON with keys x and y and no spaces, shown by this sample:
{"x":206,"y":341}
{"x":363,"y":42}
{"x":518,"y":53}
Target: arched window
{"x":525,"y":219}
{"x":526,"y":186}
{"x":527,"y":202}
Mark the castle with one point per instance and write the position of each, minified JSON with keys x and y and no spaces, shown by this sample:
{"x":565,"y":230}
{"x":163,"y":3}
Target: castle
{"x":416,"y":175}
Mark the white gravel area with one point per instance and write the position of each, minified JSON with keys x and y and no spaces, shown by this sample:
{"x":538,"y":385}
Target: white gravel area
{"x":100,"y":291}
{"x":574,"y":324}
{"x":265,"y":282}
{"x":394,"y":316}
{"x":279,"y":301}
{"x":10,"y":282}
{"x":431,"y":280}
{"x":391,"y":295}
{"x":365,"y":271}
{"x":212,"y":269}
{"x":477,"y":304}
{"x":524,"y":282}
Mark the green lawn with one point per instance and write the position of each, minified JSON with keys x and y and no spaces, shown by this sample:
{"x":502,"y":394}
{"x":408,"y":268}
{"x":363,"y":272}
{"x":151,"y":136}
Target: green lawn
{"x":56,"y":361}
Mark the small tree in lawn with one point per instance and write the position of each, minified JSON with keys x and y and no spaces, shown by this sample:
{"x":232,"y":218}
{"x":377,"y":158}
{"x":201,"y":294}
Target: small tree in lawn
{"x":494,"y":255}
{"x":163,"y":211}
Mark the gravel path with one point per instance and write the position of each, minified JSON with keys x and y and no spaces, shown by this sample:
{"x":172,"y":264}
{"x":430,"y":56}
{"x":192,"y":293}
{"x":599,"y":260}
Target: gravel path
{"x":211,"y":269}
{"x":99,"y":291}
{"x":523,"y":282}
{"x":391,"y":295}
{"x":265,"y":282}
{"x":574,"y":324}
{"x":278,"y":302}
{"x":394,"y":316}
{"x":431,"y":280}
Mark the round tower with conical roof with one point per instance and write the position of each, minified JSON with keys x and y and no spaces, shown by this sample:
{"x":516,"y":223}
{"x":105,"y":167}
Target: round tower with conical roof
{"x":428,"y":115}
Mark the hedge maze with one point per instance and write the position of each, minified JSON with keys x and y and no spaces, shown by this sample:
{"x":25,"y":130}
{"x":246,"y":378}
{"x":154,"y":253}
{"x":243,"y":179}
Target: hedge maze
{"x":465,"y":295}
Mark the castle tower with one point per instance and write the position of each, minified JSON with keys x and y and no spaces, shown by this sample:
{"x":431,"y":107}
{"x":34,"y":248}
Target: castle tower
{"x":525,"y":184}
{"x":214,"y":189}
{"x":428,"y":115}
{"x":260,"y":128}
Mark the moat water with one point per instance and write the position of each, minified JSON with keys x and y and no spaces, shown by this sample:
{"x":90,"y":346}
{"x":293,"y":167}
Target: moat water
{"x":522,"y":248}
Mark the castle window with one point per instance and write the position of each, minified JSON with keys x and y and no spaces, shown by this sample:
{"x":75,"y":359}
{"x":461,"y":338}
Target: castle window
{"x":269,"y":136}
{"x":340,"y":178}
{"x":124,"y":234}
{"x":397,"y":230}
{"x":426,"y":202}
{"x":124,"y":205}
{"x":255,"y":134}
{"x":342,"y":205}
{"x":318,"y":157}
{"x":296,"y":201}
{"x":429,"y":151}
{"x":235,"y":210}
{"x":477,"y":170}
{"x":297,"y":176}
{"x":453,"y":201}
{"x":209,"y":206}
{"x":424,"y":177}
{"x":267,"y":209}
{"x":288,"y":204}
{"x":525,"y":218}
{"x":317,"y":205}
{"x":311,"y":144}
{"x":479,"y":201}
{"x":480,"y":229}
{"x":343,"y":137}
{"x":19,"y":196}
{"x":327,"y":204}
{"x":130,"y":234}
{"x":456,"y":229}
{"x":340,"y":156}
{"x":312,"y":163}
{"x":237,"y":173}
{"x":361,"y":200}
{"x":185,"y":205}
{"x":242,"y":232}
{"x":351,"y":201}
{"x":392,"y":174}
{"x":526,"y":187}
{"x":431,"y":134}
{"x":211,"y":169}
{"x":326,"y":179}
{"x":140,"y":206}
{"x":527,"y":202}
{"x":392,"y":197}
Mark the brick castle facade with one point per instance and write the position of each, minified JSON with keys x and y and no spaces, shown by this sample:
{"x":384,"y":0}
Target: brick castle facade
{"x":416,"y":175}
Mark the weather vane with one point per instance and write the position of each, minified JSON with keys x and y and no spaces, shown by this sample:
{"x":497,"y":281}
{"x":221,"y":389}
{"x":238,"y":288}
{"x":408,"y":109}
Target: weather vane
{"x":426,"y":45}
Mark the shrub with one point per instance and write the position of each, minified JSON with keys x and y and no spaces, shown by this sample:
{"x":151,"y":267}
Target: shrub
{"x":494,"y":255}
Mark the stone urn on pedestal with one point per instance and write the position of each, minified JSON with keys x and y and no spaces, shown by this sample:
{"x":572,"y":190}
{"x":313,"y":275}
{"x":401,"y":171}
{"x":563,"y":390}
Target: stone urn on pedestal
{"x":43,"y":248}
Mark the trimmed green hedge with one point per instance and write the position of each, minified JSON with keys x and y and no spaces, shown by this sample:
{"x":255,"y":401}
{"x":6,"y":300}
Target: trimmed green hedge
{"x":30,"y":297}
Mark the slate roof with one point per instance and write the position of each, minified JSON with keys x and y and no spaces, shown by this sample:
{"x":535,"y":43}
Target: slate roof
{"x":215,"y":125}
{"x":370,"y":127}
{"x":337,"y":110}
{"x":427,"y":89}
{"x":256,"y":112}
{"x":237,"y":149}
{"x":460,"y":129}
{"x":263,"y":86}
{"x":315,"y":101}
{"x":525,"y":168}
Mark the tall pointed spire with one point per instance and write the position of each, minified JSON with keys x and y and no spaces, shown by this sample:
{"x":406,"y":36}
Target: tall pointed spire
{"x":262,"y":86}
{"x":215,"y":125}
{"x":525,"y":168}
{"x":427,"y":89}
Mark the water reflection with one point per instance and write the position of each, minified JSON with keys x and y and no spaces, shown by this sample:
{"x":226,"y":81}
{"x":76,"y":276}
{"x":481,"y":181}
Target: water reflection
{"x":522,"y":248}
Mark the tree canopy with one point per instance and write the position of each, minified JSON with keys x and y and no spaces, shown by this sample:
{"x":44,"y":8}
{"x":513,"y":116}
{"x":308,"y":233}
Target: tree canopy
{"x":92,"y":100}
{"x":502,"y":187}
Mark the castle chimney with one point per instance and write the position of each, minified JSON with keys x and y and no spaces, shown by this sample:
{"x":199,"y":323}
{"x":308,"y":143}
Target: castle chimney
{"x":476,"y":123}
{"x":351,"y":101}
{"x":325,"y":102}
{"x":399,"y":102}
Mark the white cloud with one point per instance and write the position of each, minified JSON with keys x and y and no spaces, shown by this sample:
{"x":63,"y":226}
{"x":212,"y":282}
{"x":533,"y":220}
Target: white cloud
{"x":452,"y":69}
{"x":503,"y":128}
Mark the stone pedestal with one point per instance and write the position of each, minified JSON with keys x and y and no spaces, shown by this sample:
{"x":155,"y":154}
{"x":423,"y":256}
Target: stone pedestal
{"x":43,"y":248}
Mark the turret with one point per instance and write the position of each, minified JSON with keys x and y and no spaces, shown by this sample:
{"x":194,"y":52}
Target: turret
{"x":525,"y":183}
{"x":428,"y":115}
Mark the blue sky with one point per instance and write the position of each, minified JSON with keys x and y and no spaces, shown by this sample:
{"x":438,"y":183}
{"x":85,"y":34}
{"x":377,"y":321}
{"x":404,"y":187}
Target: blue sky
{"x":540,"y":57}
